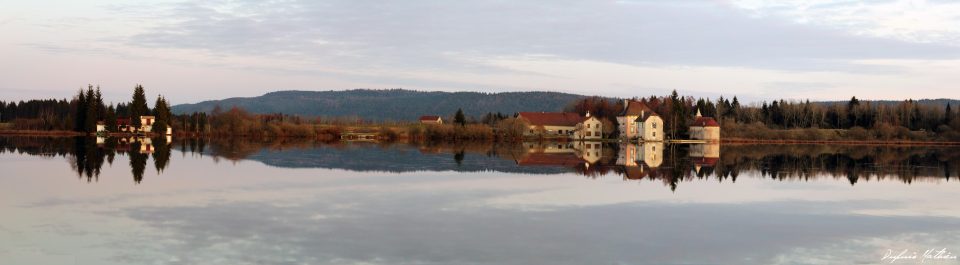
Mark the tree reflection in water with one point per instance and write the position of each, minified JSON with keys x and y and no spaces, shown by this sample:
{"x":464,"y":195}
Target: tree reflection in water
{"x":670,"y":164}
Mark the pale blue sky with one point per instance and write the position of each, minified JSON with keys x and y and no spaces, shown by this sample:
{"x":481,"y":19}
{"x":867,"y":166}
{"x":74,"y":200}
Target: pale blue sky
{"x":192,"y":51}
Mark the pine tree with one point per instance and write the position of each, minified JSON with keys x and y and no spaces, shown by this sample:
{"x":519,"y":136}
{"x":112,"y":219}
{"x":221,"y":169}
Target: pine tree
{"x":459,"y":118}
{"x":90,"y":119}
{"x":163,"y":117}
{"x":735,"y":109}
{"x":101,"y":108}
{"x":138,"y":106}
{"x":110,"y":119}
{"x":80,"y":112}
{"x":948,"y":115}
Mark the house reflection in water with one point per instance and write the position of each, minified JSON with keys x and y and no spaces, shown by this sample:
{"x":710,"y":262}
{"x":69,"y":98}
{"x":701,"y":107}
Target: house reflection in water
{"x":639,"y":160}
{"x":143,"y":145}
{"x":562,"y":154}
{"x":704,"y":157}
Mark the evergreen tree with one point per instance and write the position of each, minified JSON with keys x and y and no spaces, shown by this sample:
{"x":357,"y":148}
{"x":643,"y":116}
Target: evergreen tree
{"x":948,"y":115}
{"x":80,"y":112}
{"x":101,"y":108}
{"x":676,"y":114}
{"x":459,"y":118}
{"x":110,"y":119}
{"x":138,"y":106}
{"x":163,"y":116}
{"x":90,"y":119}
{"x":735,"y":109}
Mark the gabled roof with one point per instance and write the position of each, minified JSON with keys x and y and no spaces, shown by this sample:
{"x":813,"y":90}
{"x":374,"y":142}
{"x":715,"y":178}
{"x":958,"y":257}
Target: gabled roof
{"x":429,"y":118}
{"x":636,"y":108}
{"x":646,"y":115}
{"x":705,"y":122}
{"x":551,"y":118}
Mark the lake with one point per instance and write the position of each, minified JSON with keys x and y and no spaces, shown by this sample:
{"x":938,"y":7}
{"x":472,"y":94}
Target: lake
{"x":230,"y":201}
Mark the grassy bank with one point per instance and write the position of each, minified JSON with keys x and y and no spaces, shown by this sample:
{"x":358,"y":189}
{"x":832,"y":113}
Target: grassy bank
{"x":878,"y":134}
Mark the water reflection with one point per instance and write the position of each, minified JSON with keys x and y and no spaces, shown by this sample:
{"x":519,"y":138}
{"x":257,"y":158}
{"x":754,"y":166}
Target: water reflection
{"x":88,"y":155}
{"x":670,"y":164}
{"x":451,"y":206}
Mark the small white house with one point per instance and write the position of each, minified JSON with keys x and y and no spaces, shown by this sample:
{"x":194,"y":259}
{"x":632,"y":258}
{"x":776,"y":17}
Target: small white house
{"x":590,"y":128}
{"x":705,"y":128}
{"x":146,"y":123}
{"x":101,"y":127}
{"x":431,"y":119}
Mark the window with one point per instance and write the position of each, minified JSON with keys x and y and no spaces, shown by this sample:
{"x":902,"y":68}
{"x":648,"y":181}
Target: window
{"x":654,"y":134}
{"x":559,"y":131}
{"x":654,"y":125}
{"x":588,"y":125}
{"x":589,"y":133}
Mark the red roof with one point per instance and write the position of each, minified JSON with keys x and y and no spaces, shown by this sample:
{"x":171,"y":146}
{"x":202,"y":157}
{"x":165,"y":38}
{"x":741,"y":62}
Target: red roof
{"x":123,"y":121}
{"x":635,"y":108}
{"x":551,"y":118}
{"x":705,"y":122}
{"x":429,"y":118}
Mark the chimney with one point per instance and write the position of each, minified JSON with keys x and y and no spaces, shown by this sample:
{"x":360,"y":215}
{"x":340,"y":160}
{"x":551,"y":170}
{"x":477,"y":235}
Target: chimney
{"x":626,"y":104}
{"x":588,"y":114}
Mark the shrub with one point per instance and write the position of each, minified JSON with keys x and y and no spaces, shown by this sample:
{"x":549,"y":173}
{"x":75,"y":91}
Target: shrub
{"x":858,"y":133}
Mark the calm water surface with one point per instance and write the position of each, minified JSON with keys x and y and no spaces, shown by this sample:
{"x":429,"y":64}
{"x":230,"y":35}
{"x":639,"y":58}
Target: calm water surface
{"x":129,"y":201}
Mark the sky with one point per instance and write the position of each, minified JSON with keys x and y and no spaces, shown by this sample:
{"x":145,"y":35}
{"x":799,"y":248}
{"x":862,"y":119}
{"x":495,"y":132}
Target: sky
{"x":190,"y":51}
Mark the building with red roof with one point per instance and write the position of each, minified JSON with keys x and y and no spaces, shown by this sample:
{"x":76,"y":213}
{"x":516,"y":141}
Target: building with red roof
{"x":562,"y":125}
{"x":431,"y":119}
{"x":705,"y":128}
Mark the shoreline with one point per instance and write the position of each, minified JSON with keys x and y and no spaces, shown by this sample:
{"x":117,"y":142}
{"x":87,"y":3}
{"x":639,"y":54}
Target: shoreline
{"x":39,"y":133}
{"x":722,"y":141}
{"x":841,"y":142}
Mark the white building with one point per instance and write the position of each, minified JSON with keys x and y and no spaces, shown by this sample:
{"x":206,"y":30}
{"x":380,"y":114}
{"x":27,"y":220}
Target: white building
{"x":639,"y":122}
{"x":590,"y":128}
{"x":705,"y":128}
{"x":562,"y":125}
{"x":146,"y":123}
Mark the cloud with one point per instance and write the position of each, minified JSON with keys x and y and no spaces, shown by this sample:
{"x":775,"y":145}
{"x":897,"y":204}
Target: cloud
{"x":253,"y":47}
{"x":430,"y":34}
{"x":907,"y":20}
{"x":429,"y":228}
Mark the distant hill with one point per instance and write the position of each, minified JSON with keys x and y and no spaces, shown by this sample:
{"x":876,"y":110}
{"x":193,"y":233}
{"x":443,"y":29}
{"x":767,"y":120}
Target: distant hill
{"x":408,"y":105}
{"x":393,"y":104}
{"x":942,"y":102}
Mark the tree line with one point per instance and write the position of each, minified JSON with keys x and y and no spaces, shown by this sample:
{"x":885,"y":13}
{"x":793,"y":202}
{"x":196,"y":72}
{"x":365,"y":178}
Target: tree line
{"x":854,"y":119}
{"x":82,"y":112}
{"x":778,"y":119}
